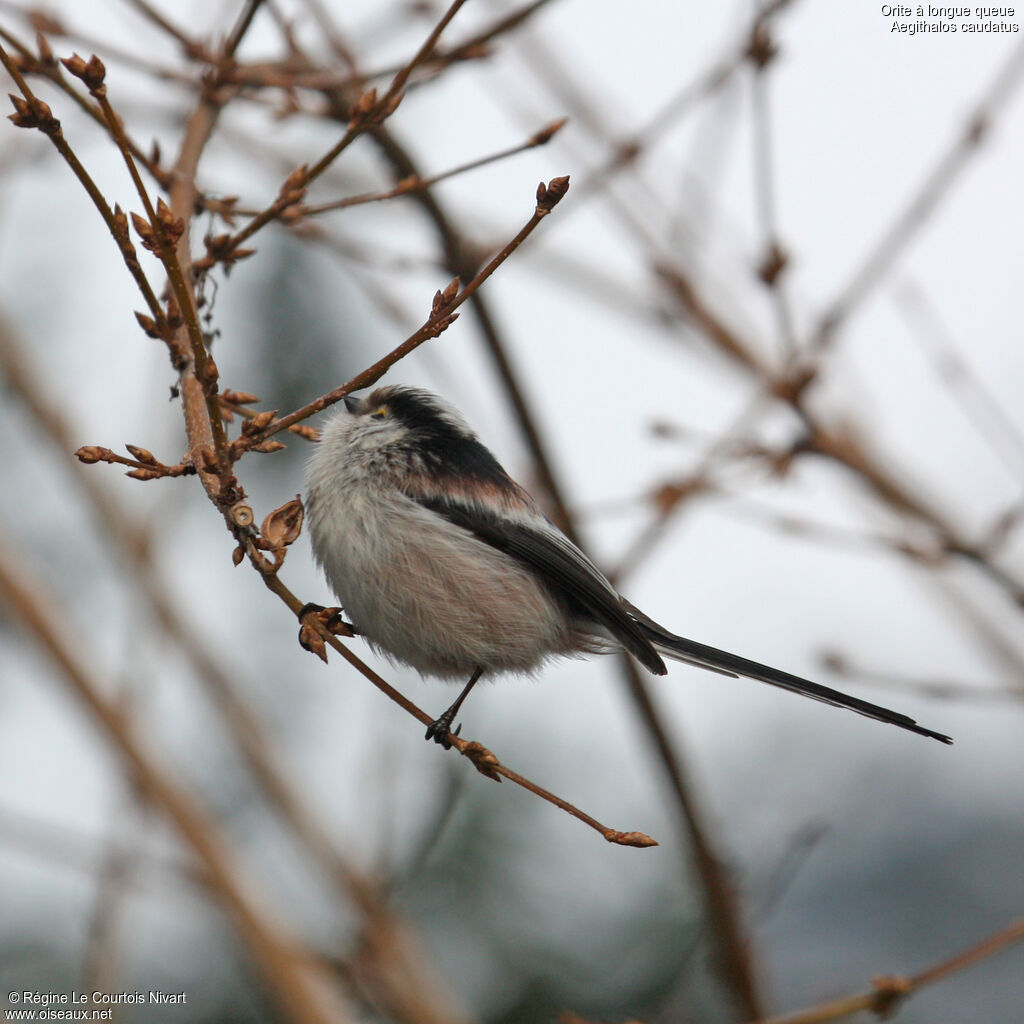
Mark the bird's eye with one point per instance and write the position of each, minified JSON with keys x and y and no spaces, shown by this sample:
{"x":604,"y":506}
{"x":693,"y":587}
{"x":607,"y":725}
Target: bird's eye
{"x":380,"y":412}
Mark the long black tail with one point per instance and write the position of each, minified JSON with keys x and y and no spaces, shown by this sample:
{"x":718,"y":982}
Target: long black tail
{"x":680,"y":649}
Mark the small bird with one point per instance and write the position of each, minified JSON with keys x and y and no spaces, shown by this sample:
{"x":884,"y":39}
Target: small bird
{"x":446,"y":564}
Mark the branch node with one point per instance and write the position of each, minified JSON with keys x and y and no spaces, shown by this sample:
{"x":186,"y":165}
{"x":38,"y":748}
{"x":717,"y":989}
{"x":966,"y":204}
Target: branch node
{"x":484,"y":761}
{"x":241,"y":513}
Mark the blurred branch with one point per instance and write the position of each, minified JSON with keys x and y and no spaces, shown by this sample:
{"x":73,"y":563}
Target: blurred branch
{"x":732,"y":951}
{"x":889,"y":992}
{"x":297,"y":997}
{"x":60,"y":845}
{"x":976,"y":400}
{"x":731,"y":948}
{"x":937,"y":689}
{"x":367,"y":112}
{"x":923,"y":204}
{"x":31,"y":112}
{"x":837,"y":444}
{"x":441,"y":317}
{"x":416,"y":184}
{"x":482,"y":759}
{"x":406,"y":986}
{"x":761,"y":52}
{"x":625,"y":151}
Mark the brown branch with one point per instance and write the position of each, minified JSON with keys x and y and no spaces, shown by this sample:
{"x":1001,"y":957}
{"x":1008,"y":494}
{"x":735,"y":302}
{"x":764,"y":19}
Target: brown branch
{"x":889,"y":992}
{"x":923,"y":204}
{"x":38,"y":115}
{"x":297,"y":998}
{"x":68,"y":847}
{"x":624,"y":152}
{"x":445,"y":305}
{"x":774,"y":259}
{"x":406,"y":985}
{"x":731,"y":948}
{"x":366,"y":113}
{"x":483,"y":759}
{"x":839,"y":445}
{"x":977,"y":401}
{"x":190,"y":47}
{"x":458,"y":263}
{"x":933,"y":688}
{"x":417,"y":184}
{"x":50,"y":69}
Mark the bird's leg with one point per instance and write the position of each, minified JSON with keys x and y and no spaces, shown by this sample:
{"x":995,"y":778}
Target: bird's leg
{"x":438,"y":730}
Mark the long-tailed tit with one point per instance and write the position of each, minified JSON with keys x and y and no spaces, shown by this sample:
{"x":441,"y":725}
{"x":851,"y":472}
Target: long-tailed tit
{"x":444,"y":563}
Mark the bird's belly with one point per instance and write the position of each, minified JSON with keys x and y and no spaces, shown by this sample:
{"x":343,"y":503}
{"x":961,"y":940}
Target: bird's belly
{"x":429,"y":594}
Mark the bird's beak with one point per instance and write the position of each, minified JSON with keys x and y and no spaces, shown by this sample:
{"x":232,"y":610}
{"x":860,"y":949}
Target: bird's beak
{"x":352,"y":403}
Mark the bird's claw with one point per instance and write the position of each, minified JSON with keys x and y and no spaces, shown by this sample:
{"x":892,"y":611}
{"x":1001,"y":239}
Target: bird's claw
{"x":439,"y":730}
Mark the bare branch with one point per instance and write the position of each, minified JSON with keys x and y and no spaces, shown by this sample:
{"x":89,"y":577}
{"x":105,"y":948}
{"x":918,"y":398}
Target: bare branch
{"x":889,"y":992}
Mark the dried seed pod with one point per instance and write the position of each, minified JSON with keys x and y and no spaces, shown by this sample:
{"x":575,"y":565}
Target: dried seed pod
{"x":391,"y":106}
{"x":238,"y":397}
{"x":283,"y":526}
{"x":174,"y":227}
{"x":174,"y":318}
{"x":296,"y":179}
{"x":362,"y":107}
{"x":208,"y":374}
{"x":148,"y":324}
{"x":92,"y":72}
{"x":120,"y":222}
{"x":34,"y":113}
{"x":313,"y":642}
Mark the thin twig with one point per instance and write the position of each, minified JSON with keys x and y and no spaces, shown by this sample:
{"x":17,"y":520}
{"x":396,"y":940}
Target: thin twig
{"x":977,"y":401}
{"x":118,"y":231}
{"x":416,"y":184}
{"x":363,"y":119}
{"x":439,"y":320}
{"x":483,"y":759}
{"x":406,"y":985}
{"x":889,"y":992}
{"x":298,"y":1000}
{"x":933,"y":688}
{"x":924,"y":202}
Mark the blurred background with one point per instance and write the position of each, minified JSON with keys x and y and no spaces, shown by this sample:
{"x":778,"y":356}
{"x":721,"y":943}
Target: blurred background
{"x":766,"y":355}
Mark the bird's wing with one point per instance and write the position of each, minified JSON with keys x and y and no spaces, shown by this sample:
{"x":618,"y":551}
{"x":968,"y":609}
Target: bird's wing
{"x":551,"y":556}
{"x":548,"y":553}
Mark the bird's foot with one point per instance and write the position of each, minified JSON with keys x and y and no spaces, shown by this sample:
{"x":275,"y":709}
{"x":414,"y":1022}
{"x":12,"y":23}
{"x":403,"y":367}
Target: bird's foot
{"x":330,"y":619}
{"x":439,"y":730}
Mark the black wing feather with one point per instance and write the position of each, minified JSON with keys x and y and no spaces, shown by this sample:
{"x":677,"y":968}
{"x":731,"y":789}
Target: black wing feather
{"x":560,"y":564}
